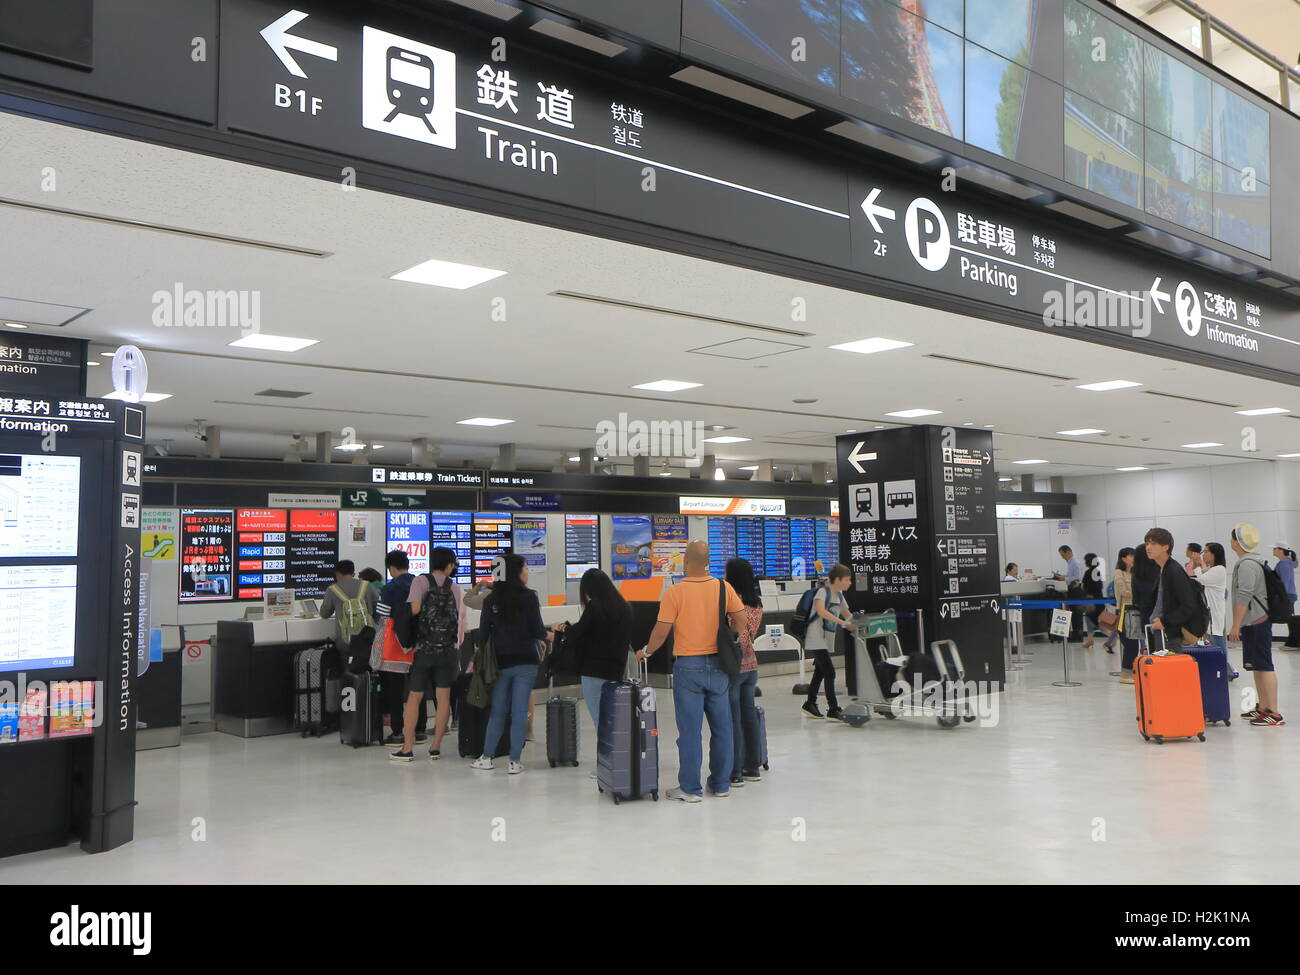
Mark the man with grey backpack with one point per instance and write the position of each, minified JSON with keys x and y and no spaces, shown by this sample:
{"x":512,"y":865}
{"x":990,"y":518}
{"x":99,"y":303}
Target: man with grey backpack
{"x":350,"y":602}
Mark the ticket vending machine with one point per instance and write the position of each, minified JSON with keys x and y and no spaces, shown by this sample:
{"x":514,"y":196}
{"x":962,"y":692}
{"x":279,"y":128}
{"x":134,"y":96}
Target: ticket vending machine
{"x":70,"y":503}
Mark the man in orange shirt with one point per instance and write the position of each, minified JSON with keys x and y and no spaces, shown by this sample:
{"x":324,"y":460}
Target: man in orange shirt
{"x":690,"y":612}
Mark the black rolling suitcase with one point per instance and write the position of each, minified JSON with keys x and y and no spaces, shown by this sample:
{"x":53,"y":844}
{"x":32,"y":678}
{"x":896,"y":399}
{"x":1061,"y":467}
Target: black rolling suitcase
{"x":471,"y":729}
{"x":562,"y":731}
{"x":762,"y":737}
{"x":361,"y":710}
{"x":316,"y":685}
{"x":627,"y":741}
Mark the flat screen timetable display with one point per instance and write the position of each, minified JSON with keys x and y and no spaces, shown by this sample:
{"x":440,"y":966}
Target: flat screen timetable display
{"x":776,"y":547}
{"x":722,"y":544}
{"x":262,"y":550}
{"x":803,"y":546}
{"x":39,"y":504}
{"x":581,"y":544}
{"x":492,"y":537}
{"x":38,"y":616}
{"x":750,"y":543}
{"x":313,"y":552}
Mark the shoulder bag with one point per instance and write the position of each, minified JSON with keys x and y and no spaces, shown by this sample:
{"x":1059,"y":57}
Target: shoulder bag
{"x":729,"y":654}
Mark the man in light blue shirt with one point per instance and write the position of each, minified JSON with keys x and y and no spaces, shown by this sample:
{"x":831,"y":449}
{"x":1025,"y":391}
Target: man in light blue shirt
{"x":1073,"y":581}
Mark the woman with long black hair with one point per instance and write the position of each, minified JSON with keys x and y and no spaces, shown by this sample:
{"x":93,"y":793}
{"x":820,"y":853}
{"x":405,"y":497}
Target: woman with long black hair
{"x":1146,"y":583}
{"x":1093,"y":586}
{"x":512,"y":620}
{"x":744,"y":714}
{"x":601,"y":639}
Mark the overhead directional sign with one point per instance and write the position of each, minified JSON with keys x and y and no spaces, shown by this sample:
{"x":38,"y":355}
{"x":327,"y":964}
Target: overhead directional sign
{"x":874,"y":211}
{"x":282,"y":42}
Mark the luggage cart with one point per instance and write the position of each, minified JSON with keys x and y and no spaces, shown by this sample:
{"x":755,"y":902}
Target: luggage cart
{"x":875,"y":641}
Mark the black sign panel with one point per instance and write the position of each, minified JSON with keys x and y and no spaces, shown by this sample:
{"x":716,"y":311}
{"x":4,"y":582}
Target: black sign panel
{"x":50,"y":365}
{"x":159,"y":55}
{"x":60,"y":30}
{"x":433,"y":99}
{"x":657,"y":21}
{"x":918,"y":528}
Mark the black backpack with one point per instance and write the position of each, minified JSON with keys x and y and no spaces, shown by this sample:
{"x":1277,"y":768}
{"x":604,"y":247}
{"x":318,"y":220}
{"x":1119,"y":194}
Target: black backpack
{"x":1198,"y":590}
{"x":1280,"y":607}
{"x":798,"y":626}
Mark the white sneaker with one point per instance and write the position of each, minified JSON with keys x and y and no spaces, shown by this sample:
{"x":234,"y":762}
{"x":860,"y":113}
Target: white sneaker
{"x":516,"y":768}
{"x":592,"y":774}
{"x":680,"y":796}
{"x":482,"y":763}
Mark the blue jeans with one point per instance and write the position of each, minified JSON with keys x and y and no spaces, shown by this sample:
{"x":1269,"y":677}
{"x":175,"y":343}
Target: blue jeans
{"x":1219,"y":641}
{"x":511,"y":692}
{"x":701,"y":689}
{"x":592,"y":688}
{"x":744,"y":722}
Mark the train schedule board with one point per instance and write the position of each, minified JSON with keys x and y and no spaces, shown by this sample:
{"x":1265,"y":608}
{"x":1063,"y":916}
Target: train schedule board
{"x":313,"y":551}
{"x":207,"y":555}
{"x":261,"y":550}
{"x":776,"y":547}
{"x":722,"y":543}
{"x":581,"y":545}
{"x":751,"y":543}
{"x":493,"y":536}
{"x":803,"y":547}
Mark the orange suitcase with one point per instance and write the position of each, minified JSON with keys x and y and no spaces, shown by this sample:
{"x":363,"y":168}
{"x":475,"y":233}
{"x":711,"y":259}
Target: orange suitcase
{"x":1169,"y":697}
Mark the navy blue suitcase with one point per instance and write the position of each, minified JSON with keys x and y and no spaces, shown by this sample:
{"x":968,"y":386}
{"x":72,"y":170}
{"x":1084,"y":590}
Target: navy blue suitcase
{"x":627,"y":742}
{"x":762,"y":737}
{"x":1215,"y":671}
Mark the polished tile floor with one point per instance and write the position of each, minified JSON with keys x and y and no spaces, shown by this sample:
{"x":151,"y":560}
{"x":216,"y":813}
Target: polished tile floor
{"x":1061,"y":790}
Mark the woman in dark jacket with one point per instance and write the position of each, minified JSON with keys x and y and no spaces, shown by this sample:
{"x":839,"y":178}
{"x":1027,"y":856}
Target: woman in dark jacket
{"x":1093,"y":587}
{"x":1146,"y":580}
{"x":601,"y":639}
{"x":512,"y":620}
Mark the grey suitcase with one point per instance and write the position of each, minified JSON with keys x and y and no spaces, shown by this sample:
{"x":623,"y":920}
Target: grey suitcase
{"x":627,"y":742}
{"x":361,"y":710}
{"x":762,"y":737}
{"x":317,"y":689}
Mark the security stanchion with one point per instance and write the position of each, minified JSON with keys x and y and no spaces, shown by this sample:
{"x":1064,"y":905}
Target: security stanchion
{"x":1011,"y":664}
{"x":1065,"y":662}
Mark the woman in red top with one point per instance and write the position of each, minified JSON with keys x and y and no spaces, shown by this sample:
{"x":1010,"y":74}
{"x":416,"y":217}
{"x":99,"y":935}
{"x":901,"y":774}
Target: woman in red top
{"x":744,"y":717}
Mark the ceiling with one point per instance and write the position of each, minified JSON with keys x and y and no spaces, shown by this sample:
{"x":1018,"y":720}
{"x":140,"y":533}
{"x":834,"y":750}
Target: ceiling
{"x":397,"y":361}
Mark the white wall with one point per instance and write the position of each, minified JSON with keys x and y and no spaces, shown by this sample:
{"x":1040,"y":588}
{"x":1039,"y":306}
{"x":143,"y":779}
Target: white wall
{"x":1194,"y":504}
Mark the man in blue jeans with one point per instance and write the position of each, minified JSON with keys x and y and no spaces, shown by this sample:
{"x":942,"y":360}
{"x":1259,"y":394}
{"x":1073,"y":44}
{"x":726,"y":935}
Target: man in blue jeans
{"x":689,"y":611}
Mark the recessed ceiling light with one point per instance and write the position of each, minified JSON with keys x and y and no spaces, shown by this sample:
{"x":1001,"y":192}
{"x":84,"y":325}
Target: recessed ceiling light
{"x":851,"y":431}
{"x":1031,"y":462}
{"x":752,"y":467}
{"x":14,"y":325}
{"x":869,"y":346}
{"x":146,"y":398}
{"x":272,"y":343}
{"x":912,"y":414}
{"x":574,"y":460}
{"x":91,"y":362}
{"x":988,"y":426}
{"x":968,"y":423}
{"x":1005,"y":479}
{"x":484,"y":421}
{"x":726,"y":439}
{"x":719,"y":474}
{"x":667,"y":386}
{"x":446,"y":274}
{"x":665,"y":473}
{"x":878,"y":427}
{"x":108,"y":355}
{"x":1108,"y":385}
{"x":1084,"y":432}
{"x":1266,"y":411}
{"x":1290,"y":455}
{"x":1132,"y":468}
{"x":1198,"y":446}
{"x":350,"y":447}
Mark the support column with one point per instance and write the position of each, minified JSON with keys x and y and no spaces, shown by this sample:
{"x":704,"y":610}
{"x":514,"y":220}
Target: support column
{"x":821,"y":473}
{"x":1057,"y":484}
{"x":324,"y":447}
{"x":641,"y":466}
{"x":505,"y":458}
{"x":764,"y":472}
{"x":587,"y":460}
{"x":212,"y":445}
{"x":1026,"y":483}
{"x":424,"y":452}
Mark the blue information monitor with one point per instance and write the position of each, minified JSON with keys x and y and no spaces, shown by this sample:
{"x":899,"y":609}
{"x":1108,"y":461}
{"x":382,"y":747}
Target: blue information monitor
{"x":722,"y":544}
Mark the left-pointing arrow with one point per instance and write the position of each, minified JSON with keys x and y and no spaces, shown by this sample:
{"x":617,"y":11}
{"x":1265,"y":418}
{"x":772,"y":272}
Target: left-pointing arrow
{"x":874,"y":210}
{"x":1158,"y":297}
{"x":857,"y":457}
{"x":282,"y":42}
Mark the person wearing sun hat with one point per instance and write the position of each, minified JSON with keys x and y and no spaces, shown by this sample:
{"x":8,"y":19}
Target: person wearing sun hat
{"x":1285,"y":568}
{"x":1250,"y":624}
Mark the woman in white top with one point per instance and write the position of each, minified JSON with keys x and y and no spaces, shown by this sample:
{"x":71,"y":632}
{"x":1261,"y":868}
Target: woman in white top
{"x":1213,"y":576}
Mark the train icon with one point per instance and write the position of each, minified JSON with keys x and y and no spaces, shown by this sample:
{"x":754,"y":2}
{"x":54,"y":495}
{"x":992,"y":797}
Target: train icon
{"x":410,"y":85}
{"x":864,"y":499}
{"x":408,"y":89}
